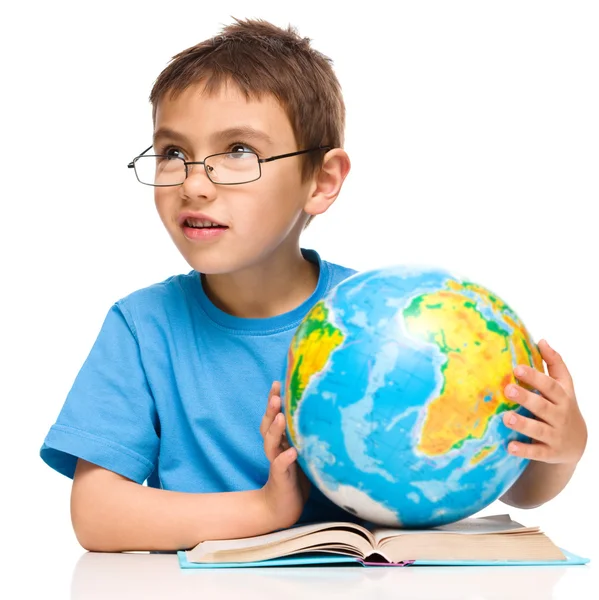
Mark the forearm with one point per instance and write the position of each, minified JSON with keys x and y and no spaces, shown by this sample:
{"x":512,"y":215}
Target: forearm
{"x":113,"y":514}
{"x":539,"y":483}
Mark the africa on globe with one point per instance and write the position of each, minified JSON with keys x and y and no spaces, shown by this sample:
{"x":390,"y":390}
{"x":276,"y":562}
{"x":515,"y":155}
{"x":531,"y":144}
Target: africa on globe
{"x":394,"y":391}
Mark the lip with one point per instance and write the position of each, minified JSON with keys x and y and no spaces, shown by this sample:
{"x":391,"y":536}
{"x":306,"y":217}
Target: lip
{"x":208,"y":234}
{"x":200,"y":216}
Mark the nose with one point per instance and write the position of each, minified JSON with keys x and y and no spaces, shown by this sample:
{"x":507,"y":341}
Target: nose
{"x":197,"y":184}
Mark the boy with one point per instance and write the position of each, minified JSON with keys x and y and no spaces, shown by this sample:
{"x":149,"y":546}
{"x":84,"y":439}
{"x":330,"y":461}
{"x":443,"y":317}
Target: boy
{"x":247,"y":148}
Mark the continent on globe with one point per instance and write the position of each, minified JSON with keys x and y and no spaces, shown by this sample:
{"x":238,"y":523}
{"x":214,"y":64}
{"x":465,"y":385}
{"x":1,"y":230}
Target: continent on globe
{"x":317,"y":332}
{"x":393,"y":395}
{"x":473,"y":344}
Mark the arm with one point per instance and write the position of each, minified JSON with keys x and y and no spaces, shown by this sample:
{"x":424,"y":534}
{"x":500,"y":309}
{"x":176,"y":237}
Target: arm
{"x":558,"y":432}
{"x":111,"y":513}
{"x":539,"y":483}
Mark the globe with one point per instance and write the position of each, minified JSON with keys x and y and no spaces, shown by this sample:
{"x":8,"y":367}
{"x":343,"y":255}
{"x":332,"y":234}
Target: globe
{"x":393,"y":395}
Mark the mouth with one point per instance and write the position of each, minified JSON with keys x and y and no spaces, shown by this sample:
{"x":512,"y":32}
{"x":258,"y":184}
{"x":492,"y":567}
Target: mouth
{"x":201,"y":224}
{"x":202,"y":229}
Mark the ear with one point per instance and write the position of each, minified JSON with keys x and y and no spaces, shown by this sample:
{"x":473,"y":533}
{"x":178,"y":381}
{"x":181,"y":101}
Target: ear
{"x":328,"y":181}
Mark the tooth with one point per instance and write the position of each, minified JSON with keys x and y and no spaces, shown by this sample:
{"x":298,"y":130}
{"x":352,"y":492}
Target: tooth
{"x":201,"y":223}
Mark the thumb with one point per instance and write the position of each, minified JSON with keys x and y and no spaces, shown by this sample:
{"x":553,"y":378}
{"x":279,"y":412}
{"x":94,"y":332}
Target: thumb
{"x":556,"y":367}
{"x":280,"y":465}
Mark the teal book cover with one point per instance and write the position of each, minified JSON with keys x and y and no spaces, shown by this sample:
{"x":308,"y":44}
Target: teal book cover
{"x":322,"y":559}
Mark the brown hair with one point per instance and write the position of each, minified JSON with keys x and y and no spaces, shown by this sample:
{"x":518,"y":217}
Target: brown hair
{"x":260,"y":58}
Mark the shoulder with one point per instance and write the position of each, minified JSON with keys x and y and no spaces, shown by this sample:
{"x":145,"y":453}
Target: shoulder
{"x":172,"y":287}
{"x":336,"y":273}
{"x":168,"y":299}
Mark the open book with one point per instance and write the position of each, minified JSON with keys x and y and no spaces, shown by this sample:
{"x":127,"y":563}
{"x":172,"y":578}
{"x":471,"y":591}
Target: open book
{"x":490,"y":539}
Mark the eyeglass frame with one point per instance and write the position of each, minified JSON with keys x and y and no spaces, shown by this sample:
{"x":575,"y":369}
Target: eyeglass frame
{"x":131,"y":165}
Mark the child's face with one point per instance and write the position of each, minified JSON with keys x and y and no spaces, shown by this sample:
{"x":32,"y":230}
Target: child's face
{"x":262,"y":216}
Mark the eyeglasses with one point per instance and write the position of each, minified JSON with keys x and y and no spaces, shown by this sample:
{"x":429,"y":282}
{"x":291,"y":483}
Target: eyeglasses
{"x":225,"y":168}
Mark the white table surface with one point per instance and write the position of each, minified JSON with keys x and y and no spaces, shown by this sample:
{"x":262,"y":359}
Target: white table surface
{"x":92,"y":576}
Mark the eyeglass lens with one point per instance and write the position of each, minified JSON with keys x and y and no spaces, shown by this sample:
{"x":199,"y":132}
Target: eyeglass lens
{"x":231,"y":167}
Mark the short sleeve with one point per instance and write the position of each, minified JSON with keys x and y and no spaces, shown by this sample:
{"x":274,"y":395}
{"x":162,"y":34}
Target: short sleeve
{"x":109,"y":416}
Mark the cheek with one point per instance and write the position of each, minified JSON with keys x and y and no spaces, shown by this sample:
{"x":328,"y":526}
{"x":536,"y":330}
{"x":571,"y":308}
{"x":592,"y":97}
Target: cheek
{"x":277,"y":200}
{"x":162,"y":203}
{"x":266,"y":213}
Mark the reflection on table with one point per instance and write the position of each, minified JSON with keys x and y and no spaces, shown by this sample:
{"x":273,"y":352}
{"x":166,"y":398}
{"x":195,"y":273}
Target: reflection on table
{"x":153,"y":576}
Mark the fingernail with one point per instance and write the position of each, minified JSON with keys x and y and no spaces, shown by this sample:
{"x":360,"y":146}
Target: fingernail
{"x":519,"y":371}
{"x":511,"y":419}
{"x":513,"y":447}
{"x":511,"y":391}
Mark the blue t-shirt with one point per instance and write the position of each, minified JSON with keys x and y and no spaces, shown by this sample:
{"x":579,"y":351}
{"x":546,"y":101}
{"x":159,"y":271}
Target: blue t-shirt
{"x":174,"y":389}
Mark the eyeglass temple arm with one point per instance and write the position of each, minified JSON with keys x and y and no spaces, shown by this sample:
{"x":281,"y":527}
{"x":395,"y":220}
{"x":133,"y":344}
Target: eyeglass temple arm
{"x":263,"y":160}
{"x":130,"y":165}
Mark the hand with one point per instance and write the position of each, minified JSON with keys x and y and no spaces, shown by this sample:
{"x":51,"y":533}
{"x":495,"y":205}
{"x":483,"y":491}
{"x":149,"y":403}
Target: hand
{"x":273,"y":408}
{"x":559,"y":432}
{"x":287,"y":488}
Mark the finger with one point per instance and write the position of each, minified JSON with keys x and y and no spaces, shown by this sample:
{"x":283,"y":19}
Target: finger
{"x":546,"y":385}
{"x":535,"y":430}
{"x":282,"y":466}
{"x":556,"y":367}
{"x":273,"y":438}
{"x":275,"y":390}
{"x":538,"y":405}
{"x":540,"y":452}
{"x":272,"y":409}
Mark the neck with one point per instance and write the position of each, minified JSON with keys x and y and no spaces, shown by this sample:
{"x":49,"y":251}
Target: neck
{"x":271,"y":288}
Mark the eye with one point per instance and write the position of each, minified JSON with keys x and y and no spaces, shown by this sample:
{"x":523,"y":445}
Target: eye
{"x":169,"y":151}
{"x":239,"y":150}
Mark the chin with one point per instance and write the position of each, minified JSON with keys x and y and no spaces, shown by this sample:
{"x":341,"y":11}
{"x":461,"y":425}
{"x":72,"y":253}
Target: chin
{"x":223,"y":257}
{"x":214,"y":263}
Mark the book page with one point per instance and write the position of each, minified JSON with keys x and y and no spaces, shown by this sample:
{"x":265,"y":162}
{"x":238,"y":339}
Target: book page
{"x":335,"y":532}
{"x":341,"y":541}
{"x":498,"y":547}
{"x":470,"y":526}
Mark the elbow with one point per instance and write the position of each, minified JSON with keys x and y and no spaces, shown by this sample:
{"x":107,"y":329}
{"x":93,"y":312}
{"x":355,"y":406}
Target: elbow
{"x":511,"y":499}
{"x":88,"y":540}
{"x":93,"y":509}
{"x":92,"y":521}
{"x":88,"y":529}
{"x":523,"y":505}
{"x":95,"y":536}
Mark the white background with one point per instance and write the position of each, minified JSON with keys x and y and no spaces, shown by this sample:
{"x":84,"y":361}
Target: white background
{"x":473,"y":131}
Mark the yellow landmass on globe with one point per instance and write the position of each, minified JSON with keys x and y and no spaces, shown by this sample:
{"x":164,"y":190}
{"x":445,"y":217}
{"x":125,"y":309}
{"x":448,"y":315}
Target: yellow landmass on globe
{"x":524,"y":349}
{"x":482,"y":454}
{"x":309,"y":352}
{"x":479,"y":364}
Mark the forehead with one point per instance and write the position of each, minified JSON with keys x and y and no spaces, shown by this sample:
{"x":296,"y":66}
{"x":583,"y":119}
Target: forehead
{"x":199,"y":115}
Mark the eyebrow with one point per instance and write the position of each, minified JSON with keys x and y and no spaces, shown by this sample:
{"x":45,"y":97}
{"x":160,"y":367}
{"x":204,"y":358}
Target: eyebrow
{"x":244,"y":131}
